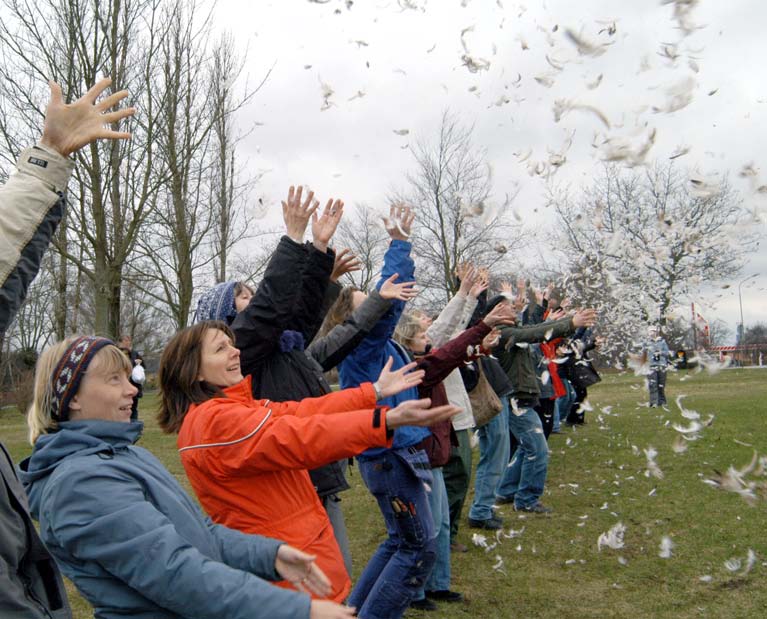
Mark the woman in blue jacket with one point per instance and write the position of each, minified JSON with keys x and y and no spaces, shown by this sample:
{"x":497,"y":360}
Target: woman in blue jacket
{"x":396,"y":477}
{"x":119,"y":525}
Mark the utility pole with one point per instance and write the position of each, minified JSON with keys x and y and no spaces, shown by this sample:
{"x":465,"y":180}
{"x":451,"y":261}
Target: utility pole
{"x":741,"y":327}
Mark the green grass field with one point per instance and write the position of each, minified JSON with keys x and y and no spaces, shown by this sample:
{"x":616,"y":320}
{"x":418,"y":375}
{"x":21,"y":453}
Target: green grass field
{"x":596,"y":479}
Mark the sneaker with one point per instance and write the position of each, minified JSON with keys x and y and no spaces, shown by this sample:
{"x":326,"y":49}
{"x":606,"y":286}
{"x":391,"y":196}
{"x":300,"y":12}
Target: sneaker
{"x":458,"y":547}
{"x":493,"y":523}
{"x":445,"y":595}
{"x":504,"y":500}
{"x":424,"y":604}
{"x":535,"y":508}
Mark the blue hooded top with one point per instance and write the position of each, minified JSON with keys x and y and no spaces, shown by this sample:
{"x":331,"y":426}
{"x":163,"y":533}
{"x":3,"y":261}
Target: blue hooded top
{"x":217,"y":304}
{"x":365,"y":362}
{"x":134,"y":543}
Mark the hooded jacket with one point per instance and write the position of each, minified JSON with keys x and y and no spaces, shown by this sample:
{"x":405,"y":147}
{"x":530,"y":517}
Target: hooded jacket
{"x":366,"y":361}
{"x":134,"y":543}
{"x":246,"y":460}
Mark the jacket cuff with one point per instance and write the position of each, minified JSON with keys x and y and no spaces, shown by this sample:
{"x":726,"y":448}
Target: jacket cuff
{"x":369,"y":395}
{"x":326,"y":259}
{"x":379,"y":421}
{"x":47,"y":165}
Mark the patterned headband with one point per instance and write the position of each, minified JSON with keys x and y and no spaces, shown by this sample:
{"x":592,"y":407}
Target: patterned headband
{"x":69,"y":372}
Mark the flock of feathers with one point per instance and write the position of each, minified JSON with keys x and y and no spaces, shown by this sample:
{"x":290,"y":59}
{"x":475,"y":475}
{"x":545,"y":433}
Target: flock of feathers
{"x":567,"y":46}
{"x":748,"y":482}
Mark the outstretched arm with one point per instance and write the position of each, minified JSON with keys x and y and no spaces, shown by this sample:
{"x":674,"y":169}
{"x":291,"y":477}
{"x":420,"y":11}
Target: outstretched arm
{"x":162,"y":565}
{"x":32,"y":201}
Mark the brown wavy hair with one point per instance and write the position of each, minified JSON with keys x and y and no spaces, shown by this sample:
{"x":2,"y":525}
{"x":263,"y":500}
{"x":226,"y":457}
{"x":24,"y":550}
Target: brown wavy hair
{"x":179,"y":373}
{"x":339,"y":312}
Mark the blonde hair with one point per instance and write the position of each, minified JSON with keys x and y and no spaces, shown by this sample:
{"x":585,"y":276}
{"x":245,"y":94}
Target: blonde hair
{"x":106,"y":361}
{"x":408,"y":327}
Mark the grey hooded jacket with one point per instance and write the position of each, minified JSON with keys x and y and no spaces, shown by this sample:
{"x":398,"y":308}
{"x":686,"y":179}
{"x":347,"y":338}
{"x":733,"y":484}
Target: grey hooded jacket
{"x":134,"y":543}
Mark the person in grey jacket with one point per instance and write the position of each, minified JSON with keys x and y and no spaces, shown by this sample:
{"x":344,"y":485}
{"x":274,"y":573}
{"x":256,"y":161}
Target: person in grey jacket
{"x":32,"y":203}
{"x":657,"y":353}
{"x":119,"y":524}
{"x":524,"y":480}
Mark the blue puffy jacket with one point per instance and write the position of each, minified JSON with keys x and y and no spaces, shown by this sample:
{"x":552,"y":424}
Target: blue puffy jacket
{"x":366,"y":361}
{"x":134,"y":543}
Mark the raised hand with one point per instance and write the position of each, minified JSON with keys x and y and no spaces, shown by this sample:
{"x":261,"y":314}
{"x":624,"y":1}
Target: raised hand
{"x":402,"y":292}
{"x":557,"y":315}
{"x":468,"y":276}
{"x":490,"y":341}
{"x":69,"y":127}
{"x":345,"y":262}
{"x":507,"y":288}
{"x":324,"y":226}
{"x":391,"y":383}
{"x":296,"y":214}
{"x":418,"y":413}
{"x":585,"y":318}
{"x":482,"y":282}
{"x":324,"y":609}
{"x":502,"y":314}
{"x":299,"y":569}
{"x":399,"y":222}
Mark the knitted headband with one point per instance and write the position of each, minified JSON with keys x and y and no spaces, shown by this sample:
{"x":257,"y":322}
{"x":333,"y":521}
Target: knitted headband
{"x":69,"y":372}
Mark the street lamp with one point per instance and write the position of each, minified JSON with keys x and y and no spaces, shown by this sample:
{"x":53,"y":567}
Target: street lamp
{"x":740,"y":301}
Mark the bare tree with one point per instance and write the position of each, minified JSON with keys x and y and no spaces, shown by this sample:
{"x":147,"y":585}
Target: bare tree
{"x":174,"y":239}
{"x":75,"y":42}
{"x":229,"y":195}
{"x":363,"y":233}
{"x":637,"y":242}
{"x":450,"y":188}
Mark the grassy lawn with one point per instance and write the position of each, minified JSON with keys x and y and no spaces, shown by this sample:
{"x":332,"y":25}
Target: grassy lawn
{"x":597,"y":479}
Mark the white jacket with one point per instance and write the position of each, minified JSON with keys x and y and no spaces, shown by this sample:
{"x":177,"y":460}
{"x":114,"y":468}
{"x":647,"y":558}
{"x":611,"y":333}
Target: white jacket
{"x":31,"y":206}
{"x":449,"y":324}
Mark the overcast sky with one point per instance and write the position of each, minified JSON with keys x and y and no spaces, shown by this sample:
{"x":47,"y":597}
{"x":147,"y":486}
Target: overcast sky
{"x":408,"y":64}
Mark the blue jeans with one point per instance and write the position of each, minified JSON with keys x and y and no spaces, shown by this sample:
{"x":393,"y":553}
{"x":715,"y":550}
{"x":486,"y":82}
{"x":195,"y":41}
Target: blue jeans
{"x":564,"y":404}
{"x":401,"y":564}
{"x":526,"y":474}
{"x":439,"y":579}
{"x":493,"y":458}
{"x":555,"y":428}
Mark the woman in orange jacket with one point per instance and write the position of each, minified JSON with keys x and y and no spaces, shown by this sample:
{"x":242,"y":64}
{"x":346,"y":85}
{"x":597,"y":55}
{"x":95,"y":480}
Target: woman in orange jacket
{"x":247,"y":459}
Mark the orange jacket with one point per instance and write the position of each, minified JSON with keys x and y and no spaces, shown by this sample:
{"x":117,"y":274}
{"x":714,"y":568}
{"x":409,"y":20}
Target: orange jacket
{"x":247,"y":461}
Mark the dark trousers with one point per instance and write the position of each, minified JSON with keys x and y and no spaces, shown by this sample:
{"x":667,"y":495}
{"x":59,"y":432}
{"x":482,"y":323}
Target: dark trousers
{"x":545,"y":410}
{"x":577,"y":414}
{"x":656,"y":384}
{"x":457,"y":475}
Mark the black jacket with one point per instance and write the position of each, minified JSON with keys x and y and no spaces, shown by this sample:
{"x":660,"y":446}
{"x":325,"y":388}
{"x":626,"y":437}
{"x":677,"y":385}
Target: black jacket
{"x":295,"y":295}
{"x":30,"y":583}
